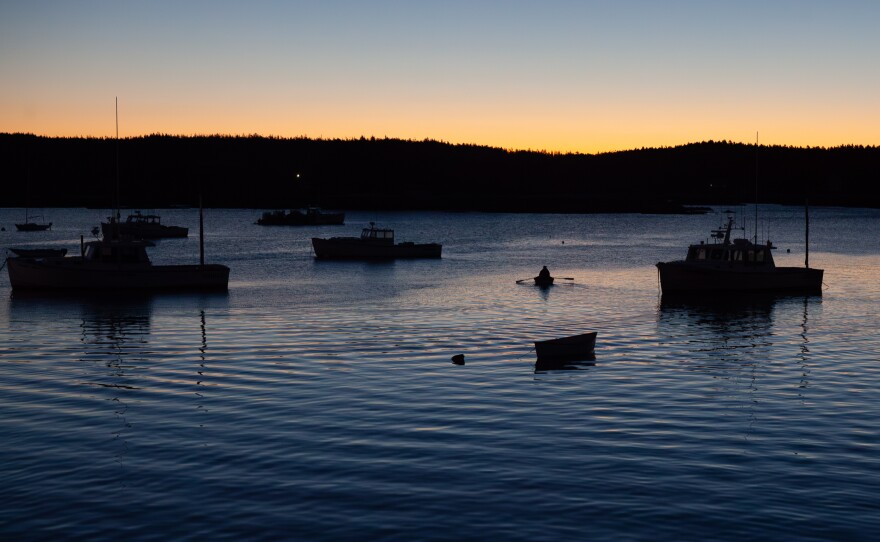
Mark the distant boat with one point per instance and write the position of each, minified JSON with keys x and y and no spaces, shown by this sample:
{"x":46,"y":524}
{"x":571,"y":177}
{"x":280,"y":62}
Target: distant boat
{"x":574,"y":348}
{"x":27,"y":225}
{"x":374,"y":243}
{"x":32,"y":226}
{"x":737,"y":265}
{"x":310,"y":216}
{"x":141,"y":226}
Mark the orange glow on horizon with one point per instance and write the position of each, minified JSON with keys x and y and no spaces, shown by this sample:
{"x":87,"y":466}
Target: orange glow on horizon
{"x":560,"y":77}
{"x":540,"y":126}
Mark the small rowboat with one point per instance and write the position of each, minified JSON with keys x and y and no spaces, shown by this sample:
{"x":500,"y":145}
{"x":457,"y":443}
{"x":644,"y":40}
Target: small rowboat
{"x":543,"y":281}
{"x":576,"y":347}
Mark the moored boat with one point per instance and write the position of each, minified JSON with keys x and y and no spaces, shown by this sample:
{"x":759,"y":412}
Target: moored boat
{"x":736,"y":266}
{"x":27,"y":225}
{"x":141,"y":226}
{"x":111,"y":264}
{"x":573,"y":348}
{"x":33,"y":226}
{"x":310,"y":216}
{"x":374,"y":243}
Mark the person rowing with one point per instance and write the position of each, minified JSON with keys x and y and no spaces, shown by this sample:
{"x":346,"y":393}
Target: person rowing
{"x":544,"y":278}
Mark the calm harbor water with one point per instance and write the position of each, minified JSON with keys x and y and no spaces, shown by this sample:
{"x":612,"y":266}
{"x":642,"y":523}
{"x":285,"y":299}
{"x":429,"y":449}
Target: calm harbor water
{"x":317,"y":400}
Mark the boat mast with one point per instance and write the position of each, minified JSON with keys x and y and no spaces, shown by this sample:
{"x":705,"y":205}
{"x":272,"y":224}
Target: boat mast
{"x":807,"y":236}
{"x":756,"y":187}
{"x":118,"y":215}
{"x":201,"y":232}
{"x":27,"y":192}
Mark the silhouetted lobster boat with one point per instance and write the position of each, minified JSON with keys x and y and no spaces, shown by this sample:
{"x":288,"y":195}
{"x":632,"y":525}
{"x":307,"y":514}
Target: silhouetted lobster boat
{"x":310,"y":216}
{"x":735,"y":266}
{"x":141,"y":226}
{"x":374,"y":243}
{"x":739,"y":265}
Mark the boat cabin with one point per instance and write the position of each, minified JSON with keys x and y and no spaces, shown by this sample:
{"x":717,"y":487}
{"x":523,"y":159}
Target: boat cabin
{"x":736,"y":252}
{"x":116,"y":251}
{"x":741,"y":251}
{"x":138,"y":218}
{"x":377,"y":235}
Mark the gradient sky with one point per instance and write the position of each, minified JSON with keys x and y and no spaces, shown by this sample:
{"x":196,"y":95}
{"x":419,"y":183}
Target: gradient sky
{"x":584,"y":76}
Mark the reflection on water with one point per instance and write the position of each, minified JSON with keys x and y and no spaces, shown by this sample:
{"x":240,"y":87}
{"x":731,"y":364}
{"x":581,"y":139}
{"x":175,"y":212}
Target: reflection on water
{"x":115,"y":335}
{"x":727,"y":332}
{"x":203,"y":350}
{"x":316,"y":400}
{"x":544,"y":365}
{"x":804,"y":354}
{"x":743,"y":342}
{"x":124,"y":365}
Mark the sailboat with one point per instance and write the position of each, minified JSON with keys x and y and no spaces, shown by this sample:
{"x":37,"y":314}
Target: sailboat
{"x":32,"y":226}
{"x":28,"y":225}
{"x":115,"y":262}
{"x":738,"y":266}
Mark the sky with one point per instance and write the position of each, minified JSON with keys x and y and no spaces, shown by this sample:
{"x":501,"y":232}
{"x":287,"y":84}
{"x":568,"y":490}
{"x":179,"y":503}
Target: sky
{"x":553,"y":75}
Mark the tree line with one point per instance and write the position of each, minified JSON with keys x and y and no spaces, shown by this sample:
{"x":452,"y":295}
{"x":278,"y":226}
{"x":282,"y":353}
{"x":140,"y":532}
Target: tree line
{"x":382,"y":174}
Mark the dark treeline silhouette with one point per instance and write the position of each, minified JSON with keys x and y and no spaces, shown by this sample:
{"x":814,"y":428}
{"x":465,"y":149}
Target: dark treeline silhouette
{"x":367,"y":173}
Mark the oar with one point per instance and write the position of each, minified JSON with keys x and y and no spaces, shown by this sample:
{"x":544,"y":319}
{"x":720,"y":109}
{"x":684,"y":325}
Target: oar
{"x":565,"y":278}
{"x":520,"y":281}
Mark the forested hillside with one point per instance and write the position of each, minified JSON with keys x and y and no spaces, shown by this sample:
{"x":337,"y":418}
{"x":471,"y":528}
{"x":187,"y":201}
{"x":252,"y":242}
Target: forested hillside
{"x":158,"y":170}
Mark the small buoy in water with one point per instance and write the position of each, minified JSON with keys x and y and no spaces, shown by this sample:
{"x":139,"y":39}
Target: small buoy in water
{"x":2,"y":229}
{"x":458,"y":359}
{"x":788,"y":250}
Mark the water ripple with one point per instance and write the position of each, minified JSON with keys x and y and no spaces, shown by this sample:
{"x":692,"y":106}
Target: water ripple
{"x":327,"y":406}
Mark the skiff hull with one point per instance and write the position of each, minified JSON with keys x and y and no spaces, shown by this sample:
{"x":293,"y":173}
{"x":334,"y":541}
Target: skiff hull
{"x":574,"y":348}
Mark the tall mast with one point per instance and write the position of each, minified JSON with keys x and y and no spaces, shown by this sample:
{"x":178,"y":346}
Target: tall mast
{"x":27,"y":191}
{"x":756,"y":187}
{"x":117,"y":160}
{"x":115,"y":232}
{"x":201,"y":232}
{"x":807,"y":220}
